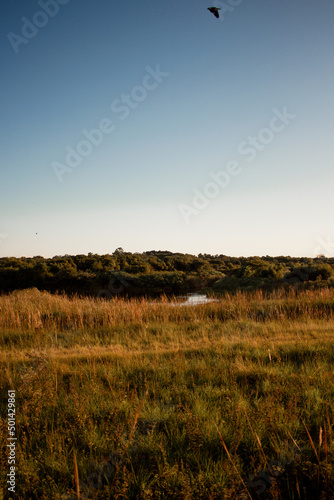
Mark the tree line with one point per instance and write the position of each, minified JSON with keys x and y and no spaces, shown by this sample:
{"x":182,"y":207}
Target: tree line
{"x":161,"y":272}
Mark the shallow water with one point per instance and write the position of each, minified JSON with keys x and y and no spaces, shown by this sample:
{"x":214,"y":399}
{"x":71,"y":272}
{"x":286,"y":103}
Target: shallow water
{"x":194,"y":299}
{"x":191,"y":299}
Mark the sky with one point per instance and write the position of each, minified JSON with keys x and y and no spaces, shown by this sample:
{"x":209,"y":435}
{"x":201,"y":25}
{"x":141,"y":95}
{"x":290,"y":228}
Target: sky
{"x":152,"y":125}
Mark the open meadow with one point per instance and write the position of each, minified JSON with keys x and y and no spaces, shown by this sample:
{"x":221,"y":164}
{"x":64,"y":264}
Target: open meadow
{"x":140,"y":399}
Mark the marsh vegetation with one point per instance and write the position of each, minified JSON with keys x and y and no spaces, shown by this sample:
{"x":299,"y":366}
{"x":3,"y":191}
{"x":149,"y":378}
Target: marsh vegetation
{"x":230,"y":399}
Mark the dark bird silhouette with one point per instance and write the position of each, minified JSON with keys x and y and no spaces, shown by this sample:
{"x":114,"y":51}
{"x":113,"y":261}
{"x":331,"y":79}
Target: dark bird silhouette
{"x":214,"y":11}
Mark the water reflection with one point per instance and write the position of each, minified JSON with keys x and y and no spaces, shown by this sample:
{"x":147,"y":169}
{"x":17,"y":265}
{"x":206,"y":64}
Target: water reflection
{"x":193,"y":299}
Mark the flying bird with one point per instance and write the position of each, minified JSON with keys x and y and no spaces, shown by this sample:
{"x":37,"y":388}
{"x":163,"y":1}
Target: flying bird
{"x":214,"y":11}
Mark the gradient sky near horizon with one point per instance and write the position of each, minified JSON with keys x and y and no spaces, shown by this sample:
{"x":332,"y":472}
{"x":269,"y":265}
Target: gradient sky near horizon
{"x":147,"y":182}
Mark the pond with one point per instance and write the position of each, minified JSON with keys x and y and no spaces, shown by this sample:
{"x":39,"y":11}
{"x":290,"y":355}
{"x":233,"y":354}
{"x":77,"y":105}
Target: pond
{"x":193,"y":299}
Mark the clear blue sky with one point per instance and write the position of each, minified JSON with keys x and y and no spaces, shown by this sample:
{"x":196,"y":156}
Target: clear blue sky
{"x":217,"y":134}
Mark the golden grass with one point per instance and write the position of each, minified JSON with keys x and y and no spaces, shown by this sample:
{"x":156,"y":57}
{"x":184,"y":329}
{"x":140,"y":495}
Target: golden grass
{"x":134,"y":399}
{"x":34,"y":310}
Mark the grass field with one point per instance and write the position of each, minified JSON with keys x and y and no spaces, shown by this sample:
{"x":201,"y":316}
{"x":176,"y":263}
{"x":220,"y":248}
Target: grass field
{"x":120,"y":399}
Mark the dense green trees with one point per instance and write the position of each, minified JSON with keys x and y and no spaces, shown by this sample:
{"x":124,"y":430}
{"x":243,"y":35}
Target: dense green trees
{"x":157,"y":272}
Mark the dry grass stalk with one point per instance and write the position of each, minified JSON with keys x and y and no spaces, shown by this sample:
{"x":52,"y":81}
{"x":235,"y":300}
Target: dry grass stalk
{"x":294,"y":442}
{"x":320,"y":439}
{"x":256,"y":437}
{"x":137,"y":415}
{"x":230,"y":459}
{"x":76,"y":475}
{"x":311,"y":441}
{"x":325,"y":442}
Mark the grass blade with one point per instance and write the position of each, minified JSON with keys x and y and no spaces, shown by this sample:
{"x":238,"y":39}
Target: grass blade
{"x":76,"y":475}
{"x":311,"y":441}
{"x":230,"y":459}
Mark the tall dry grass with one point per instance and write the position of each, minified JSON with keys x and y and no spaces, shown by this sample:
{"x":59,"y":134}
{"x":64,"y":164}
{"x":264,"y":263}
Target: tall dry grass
{"x":231,"y":399}
{"x":34,"y":310}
